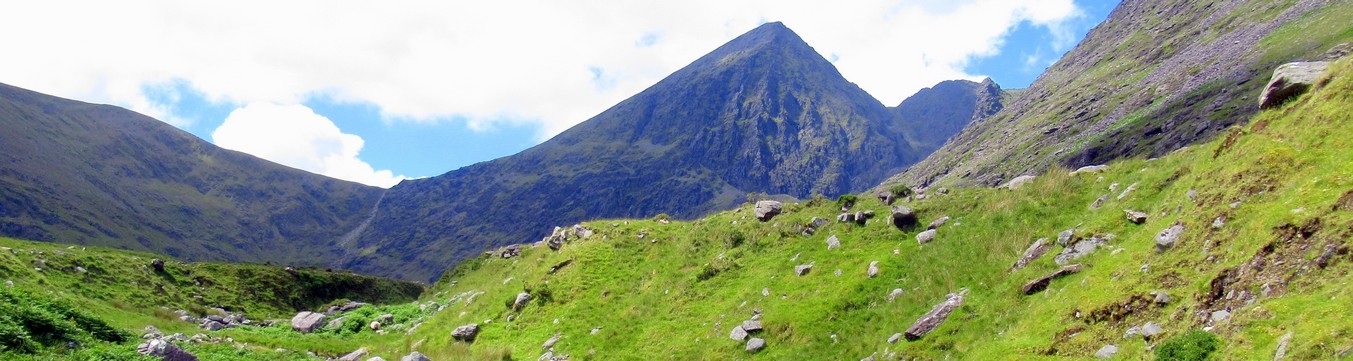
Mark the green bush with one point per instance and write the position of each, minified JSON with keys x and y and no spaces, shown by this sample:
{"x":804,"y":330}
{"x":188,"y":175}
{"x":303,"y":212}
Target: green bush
{"x":1193,"y":345}
{"x":899,"y":190}
{"x":29,"y":323}
{"x":847,"y":200}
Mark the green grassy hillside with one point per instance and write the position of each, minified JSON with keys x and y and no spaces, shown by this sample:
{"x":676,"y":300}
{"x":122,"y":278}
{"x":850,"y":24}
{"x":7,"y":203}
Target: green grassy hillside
{"x":1277,"y":262}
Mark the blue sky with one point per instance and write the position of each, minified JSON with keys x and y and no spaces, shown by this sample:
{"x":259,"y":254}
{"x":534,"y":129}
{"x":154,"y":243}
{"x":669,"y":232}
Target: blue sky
{"x":375,"y":93}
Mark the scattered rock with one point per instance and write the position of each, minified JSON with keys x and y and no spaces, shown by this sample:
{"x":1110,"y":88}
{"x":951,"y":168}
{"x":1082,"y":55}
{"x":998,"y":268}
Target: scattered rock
{"x":9,"y":283}
{"x":355,"y":355}
{"x":386,"y":318}
{"x":765,"y":292}
{"x":1167,"y":238}
{"x":819,"y":222}
{"x":1078,"y":250}
{"x":415,"y":356}
{"x":802,"y":269}
{"x":346,"y":307}
{"x":1135,"y":217}
{"x":897,"y":292}
{"x":833,"y":242}
{"x":755,"y":344}
{"x":861,"y":217}
{"x":903,"y":217}
{"x":751,"y":326}
{"x":1099,"y":202}
{"x":1219,"y":222}
{"x":374,"y":325}
{"x":158,"y":264}
{"x":1220,"y":315}
{"x":306,"y":321}
{"x":1106,"y":352}
{"x":930,"y":320}
{"x":1291,"y":80}
{"x":212,"y":325}
{"x":925,"y":236}
{"x":765,"y":210}
{"x":1034,"y":251}
{"x":1161,"y":297}
{"x":1151,"y":329}
{"x":938,"y":222}
{"x":522,"y":299}
{"x":465,"y":333}
{"x":1192,"y":195}
{"x":164,"y":350}
{"x":1090,"y":169}
{"x":1018,"y":182}
{"x":895,"y":337}
{"x":738,"y":333}
{"x":1127,"y":191}
{"x":1066,"y":237}
{"x":1283,"y":342}
{"x":336,"y":323}
{"x":1042,"y":283}
{"x":595,"y":330}
{"x":551,"y":341}
{"x":873,"y":269}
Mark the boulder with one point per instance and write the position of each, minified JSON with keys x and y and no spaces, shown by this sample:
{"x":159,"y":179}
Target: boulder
{"x":1167,"y":238}
{"x":212,"y":325}
{"x":765,"y":210}
{"x":802,"y":269}
{"x":1151,"y":329}
{"x":164,"y":350}
{"x":1034,"y":251}
{"x":386,"y":318}
{"x":751,"y":326}
{"x":738,"y":333}
{"x":1040,"y":284}
{"x":938,"y":222}
{"x":904,"y":218}
{"x":1099,"y":202}
{"x":1291,"y":80}
{"x":1018,"y":182}
{"x":925,"y":236}
{"x":158,"y":264}
{"x":1128,"y":191}
{"x":1283,"y":343}
{"x":374,"y":325}
{"x":895,"y":337}
{"x":833,"y":242}
{"x":520,"y":302}
{"x":415,"y":356}
{"x":336,"y":322}
{"x":873,"y":269}
{"x":755,"y":344}
{"x":897,"y":292}
{"x":930,"y":320}
{"x":1220,"y":315}
{"x":1066,"y":237}
{"x":1090,"y":169}
{"x":861,"y":216}
{"x":355,"y":355}
{"x":845,"y":217}
{"x":1136,"y":217}
{"x":1078,"y":250}
{"x":551,"y":341}
{"x":306,"y":321}
{"x":818,"y":222}
{"x":1161,"y":297}
{"x":1106,"y":352}
{"x":465,"y":333}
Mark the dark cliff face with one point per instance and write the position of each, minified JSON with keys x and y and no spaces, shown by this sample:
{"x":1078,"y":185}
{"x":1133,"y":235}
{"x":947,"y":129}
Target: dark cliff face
{"x":762,"y":113}
{"x":1156,"y":76}
{"x":74,"y":172}
{"x":936,"y":113}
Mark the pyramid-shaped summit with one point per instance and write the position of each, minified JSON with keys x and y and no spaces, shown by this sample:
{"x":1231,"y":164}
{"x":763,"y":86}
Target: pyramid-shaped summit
{"x":763,"y":113}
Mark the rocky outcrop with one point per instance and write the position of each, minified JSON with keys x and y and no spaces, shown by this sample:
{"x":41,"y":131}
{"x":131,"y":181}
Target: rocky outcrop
{"x":520,"y":302}
{"x":1167,"y":238}
{"x":904,"y":218}
{"x":938,"y":222}
{"x":1040,"y":284}
{"x":765,"y":210}
{"x":307,"y":322}
{"x":1291,"y":80}
{"x":930,"y":320}
{"x":802,"y":269}
{"x":1034,"y":251}
{"x":465,"y":333}
{"x":158,"y":264}
{"x":1135,"y":217}
{"x":833,"y":242}
{"x":1079,"y":249}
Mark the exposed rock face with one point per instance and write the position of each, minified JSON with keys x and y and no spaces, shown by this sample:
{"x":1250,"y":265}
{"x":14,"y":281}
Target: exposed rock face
{"x":765,"y":210}
{"x":833,"y":242}
{"x":936,"y":113}
{"x":738,"y":333}
{"x":904,"y":217}
{"x":521,"y":301}
{"x":925,"y":236}
{"x":1066,"y":237}
{"x":1034,"y":251}
{"x":930,"y":320}
{"x":415,"y":356}
{"x":164,"y":350}
{"x":158,"y":264}
{"x":938,"y":222}
{"x":1078,"y":250}
{"x":1291,"y":80}
{"x":465,"y":333}
{"x":551,"y":341}
{"x":1167,"y":238}
{"x":306,"y":321}
{"x":1040,"y":284}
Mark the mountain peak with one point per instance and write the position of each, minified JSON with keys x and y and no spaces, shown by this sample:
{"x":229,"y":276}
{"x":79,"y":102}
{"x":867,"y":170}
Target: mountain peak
{"x":772,"y":37}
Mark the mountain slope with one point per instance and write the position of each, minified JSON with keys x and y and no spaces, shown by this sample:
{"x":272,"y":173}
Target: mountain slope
{"x":762,"y":113}
{"x":935,"y":114}
{"x":1155,"y":76}
{"x":101,"y":175}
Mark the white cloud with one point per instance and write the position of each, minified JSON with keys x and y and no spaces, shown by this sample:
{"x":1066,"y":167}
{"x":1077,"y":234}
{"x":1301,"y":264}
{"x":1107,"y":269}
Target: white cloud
{"x":489,"y":62}
{"x":295,"y":136}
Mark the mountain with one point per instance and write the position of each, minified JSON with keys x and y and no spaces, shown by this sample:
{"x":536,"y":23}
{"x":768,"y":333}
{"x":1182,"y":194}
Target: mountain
{"x":762,"y":113}
{"x":935,"y":114}
{"x":1157,"y":75}
{"x":101,"y":175}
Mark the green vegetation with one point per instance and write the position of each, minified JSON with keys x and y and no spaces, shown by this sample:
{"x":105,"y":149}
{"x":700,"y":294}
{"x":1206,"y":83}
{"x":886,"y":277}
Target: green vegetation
{"x":1194,"y":345}
{"x":900,"y":190}
{"x":847,"y":200}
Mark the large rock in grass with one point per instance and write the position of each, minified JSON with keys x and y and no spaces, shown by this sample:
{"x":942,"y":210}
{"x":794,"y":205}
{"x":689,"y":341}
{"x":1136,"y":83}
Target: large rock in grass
{"x":925,"y":236}
{"x":738,"y":333}
{"x":164,"y":350}
{"x":306,"y":321}
{"x":1167,"y":238}
{"x":415,"y":356}
{"x":465,"y":333}
{"x":930,"y":320}
{"x":1291,"y":80}
{"x":765,"y":210}
{"x":1040,"y":284}
{"x":755,"y":344}
{"x":1035,"y":250}
{"x":355,"y":355}
{"x":1017,"y":182}
{"x":521,"y":301}
{"x":904,"y":217}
